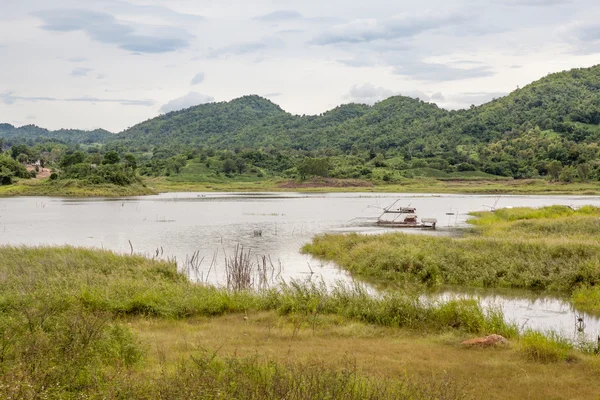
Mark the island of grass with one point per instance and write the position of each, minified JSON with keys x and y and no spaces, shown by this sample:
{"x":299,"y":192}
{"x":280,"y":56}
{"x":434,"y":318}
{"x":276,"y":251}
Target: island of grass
{"x":552,"y":249}
{"x":79,"y":323}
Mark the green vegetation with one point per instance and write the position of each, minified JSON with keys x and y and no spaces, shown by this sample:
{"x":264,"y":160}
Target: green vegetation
{"x":72,"y":188}
{"x":548,"y":130}
{"x":546,"y":347}
{"x":552,"y":249}
{"x":62,"y":332}
{"x":84,"y":323}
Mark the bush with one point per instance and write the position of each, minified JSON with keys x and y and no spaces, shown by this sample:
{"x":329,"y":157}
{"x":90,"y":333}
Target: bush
{"x":538,"y":347}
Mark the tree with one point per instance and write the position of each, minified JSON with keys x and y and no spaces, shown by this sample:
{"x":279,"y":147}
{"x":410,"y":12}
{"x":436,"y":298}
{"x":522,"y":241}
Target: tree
{"x":567,"y":174}
{"x":554,"y":169}
{"x":71,"y":159}
{"x":229,"y":166}
{"x":583,"y":171}
{"x":129,"y":161}
{"x":22,"y":158}
{"x":19,"y":149}
{"x":110,"y":158}
{"x":314,"y":167}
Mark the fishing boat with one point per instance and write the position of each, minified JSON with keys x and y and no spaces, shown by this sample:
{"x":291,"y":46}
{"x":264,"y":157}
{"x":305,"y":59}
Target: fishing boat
{"x":404,"y":217}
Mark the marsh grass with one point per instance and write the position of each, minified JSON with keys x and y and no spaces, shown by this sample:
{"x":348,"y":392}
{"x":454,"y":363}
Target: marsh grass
{"x":250,"y":378}
{"x":62,"y":330}
{"x":546,"y":348}
{"x":72,"y":188}
{"x":552,"y":249}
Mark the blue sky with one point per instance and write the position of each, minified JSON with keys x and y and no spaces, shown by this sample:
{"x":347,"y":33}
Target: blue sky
{"x":113,"y":63}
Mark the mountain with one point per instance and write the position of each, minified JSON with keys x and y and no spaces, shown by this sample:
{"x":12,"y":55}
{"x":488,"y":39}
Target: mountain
{"x":566,"y":104}
{"x":32,"y":134}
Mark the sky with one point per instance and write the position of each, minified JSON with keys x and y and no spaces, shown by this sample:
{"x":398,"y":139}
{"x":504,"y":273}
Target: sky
{"x":87,"y":64}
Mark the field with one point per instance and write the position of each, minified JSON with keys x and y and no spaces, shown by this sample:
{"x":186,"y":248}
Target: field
{"x":79,"y":323}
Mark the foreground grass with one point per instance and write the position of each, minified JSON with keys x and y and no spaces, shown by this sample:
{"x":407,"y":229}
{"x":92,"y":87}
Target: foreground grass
{"x":62,"y":332}
{"x":71,"y":188}
{"x":78,"y":323}
{"x":510,"y":372}
{"x":552,"y":249}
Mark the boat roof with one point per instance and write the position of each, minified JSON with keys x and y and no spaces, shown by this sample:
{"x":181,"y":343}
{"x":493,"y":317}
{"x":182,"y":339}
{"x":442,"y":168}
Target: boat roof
{"x":402,"y":210}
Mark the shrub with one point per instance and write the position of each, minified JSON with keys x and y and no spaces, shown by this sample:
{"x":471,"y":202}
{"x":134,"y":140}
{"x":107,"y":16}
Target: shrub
{"x":538,"y":347}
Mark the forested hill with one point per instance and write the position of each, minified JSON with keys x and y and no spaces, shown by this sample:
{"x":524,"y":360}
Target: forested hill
{"x":32,"y":134}
{"x":567,"y":103}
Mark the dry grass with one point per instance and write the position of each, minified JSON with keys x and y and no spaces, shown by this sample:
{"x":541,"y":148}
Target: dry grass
{"x":386,"y":353}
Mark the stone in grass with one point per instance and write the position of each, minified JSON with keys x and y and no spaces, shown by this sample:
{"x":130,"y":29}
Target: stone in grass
{"x":491,"y":340}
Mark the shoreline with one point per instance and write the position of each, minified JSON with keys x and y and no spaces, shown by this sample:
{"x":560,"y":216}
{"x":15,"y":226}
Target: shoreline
{"x":153,"y":186}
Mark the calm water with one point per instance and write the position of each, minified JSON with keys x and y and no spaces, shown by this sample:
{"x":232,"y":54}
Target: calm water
{"x":213,"y":223}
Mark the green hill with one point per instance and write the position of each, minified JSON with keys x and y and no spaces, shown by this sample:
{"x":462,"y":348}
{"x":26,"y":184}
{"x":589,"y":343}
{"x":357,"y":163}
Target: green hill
{"x":556,"y":118}
{"x":32,"y":134}
{"x":567,"y":103}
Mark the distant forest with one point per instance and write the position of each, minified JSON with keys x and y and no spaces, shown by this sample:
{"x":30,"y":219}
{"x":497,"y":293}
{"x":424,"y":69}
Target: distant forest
{"x":550,"y":129}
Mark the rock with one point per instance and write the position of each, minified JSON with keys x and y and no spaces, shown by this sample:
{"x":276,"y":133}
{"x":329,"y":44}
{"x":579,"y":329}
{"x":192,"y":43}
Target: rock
{"x":491,"y":340}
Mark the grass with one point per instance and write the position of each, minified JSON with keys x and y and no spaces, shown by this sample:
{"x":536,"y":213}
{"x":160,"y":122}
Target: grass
{"x":462,"y":184}
{"x":466,"y":183}
{"x":71,"y":188}
{"x":62,"y":332}
{"x":80,"y":323}
{"x":546,"y":347}
{"x":549,"y":249}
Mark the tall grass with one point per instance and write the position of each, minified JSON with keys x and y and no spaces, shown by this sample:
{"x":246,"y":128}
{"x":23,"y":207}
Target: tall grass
{"x":62,"y":334}
{"x":546,"y":347}
{"x":553,"y":248}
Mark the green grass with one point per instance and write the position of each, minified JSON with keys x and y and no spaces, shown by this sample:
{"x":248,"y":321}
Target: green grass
{"x":546,"y":348}
{"x":71,"y":188}
{"x":418,"y":185}
{"x":71,"y":319}
{"x":552,"y":249}
{"x":62,"y":331}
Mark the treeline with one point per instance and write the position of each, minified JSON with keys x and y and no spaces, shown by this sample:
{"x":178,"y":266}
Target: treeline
{"x":93,"y":165}
{"x":549,"y":128}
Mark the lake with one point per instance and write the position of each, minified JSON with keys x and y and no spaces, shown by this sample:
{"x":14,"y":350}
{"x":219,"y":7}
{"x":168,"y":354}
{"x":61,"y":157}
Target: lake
{"x":176,"y":225}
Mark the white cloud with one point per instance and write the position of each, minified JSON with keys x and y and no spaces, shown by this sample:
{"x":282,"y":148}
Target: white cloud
{"x":309,"y":53}
{"x":189,"y":100}
{"x":198,"y":78}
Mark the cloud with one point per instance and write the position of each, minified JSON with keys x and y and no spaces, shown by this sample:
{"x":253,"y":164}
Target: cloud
{"x":584,"y":37}
{"x":437,"y":97}
{"x":369,"y":94}
{"x":248,"y":47}
{"x":464,"y":100}
{"x":105,"y":28}
{"x":10,"y":98}
{"x":369,"y":30}
{"x":189,"y":100}
{"x":100,"y":76}
{"x":80,"y":72}
{"x":535,"y":3}
{"x":433,"y":72}
{"x":123,"y":7}
{"x":76,"y":59}
{"x":280,"y":15}
{"x":198,"y":79}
